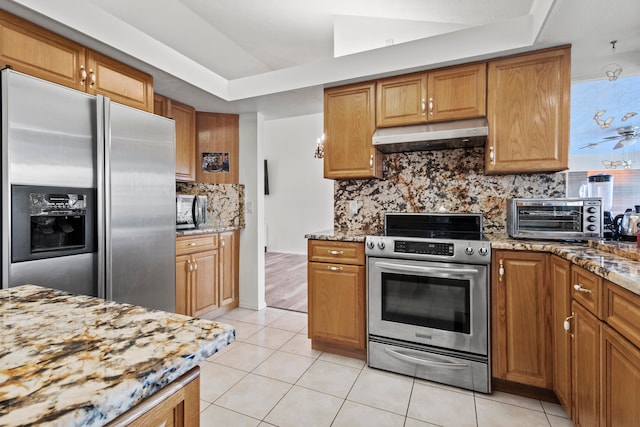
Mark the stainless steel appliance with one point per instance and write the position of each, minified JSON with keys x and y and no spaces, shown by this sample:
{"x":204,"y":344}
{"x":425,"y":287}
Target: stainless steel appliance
{"x":555,"y":219}
{"x":601,"y":185}
{"x":88,"y":193}
{"x":428,"y":299}
{"x":627,"y":225}
{"x":191,"y":211}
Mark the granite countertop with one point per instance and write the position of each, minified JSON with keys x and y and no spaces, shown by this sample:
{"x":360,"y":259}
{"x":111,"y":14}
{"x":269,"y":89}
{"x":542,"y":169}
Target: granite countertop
{"x":77,"y":360}
{"x":618,"y":262}
{"x":204,"y":229}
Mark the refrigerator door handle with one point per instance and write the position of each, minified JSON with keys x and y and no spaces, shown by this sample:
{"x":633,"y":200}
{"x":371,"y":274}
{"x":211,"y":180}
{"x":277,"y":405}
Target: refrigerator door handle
{"x":100,"y":192}
{"x":104,"y":172}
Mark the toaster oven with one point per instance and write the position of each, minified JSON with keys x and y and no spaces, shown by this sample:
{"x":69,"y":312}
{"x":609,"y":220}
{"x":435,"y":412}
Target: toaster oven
{"x":555,"y":219}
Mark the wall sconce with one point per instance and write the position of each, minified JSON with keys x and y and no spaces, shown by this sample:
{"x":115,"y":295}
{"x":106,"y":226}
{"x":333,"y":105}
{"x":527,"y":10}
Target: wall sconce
{"x":319,"y":153}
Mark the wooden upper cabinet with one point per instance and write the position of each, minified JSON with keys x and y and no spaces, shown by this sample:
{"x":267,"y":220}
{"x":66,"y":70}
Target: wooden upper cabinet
{"x":217,"y":148}
{"x":33,"y":50}
{"x":401,"y":100}
{"x":528,"y":112}
{"x":349,"y":124}
{"x":439,"y":95}
{"x":521,"y":318}
{"x":457,"y":93}
{"x":185,"y":119}
{"x":121,"y":83}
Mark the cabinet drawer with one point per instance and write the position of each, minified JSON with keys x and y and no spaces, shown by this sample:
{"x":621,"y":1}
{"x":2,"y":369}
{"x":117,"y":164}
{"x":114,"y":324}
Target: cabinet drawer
{"x":336,"y":252}
{"x":622,"y":311}
{"x":189,"y":245}
{"x":586,"y":288}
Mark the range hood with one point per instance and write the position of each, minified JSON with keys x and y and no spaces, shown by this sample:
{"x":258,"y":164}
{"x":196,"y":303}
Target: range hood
{"x":433,"y":136}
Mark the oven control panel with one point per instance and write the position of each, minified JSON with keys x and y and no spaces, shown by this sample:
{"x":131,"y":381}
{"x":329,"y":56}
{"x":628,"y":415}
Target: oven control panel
{"x":423,"y":248}
{"x":451,"y":250}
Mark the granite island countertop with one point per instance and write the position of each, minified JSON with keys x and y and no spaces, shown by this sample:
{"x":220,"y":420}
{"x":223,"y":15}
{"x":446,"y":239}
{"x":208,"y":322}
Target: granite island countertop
{"x":618,"y":262}
{"x":77,"y":360}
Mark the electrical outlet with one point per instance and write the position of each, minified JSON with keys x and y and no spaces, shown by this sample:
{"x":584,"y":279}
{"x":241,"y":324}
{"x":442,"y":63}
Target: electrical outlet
{"x":353,"y":207}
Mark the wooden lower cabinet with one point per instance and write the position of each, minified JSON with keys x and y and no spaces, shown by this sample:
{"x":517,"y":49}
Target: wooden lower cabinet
{"x":207,"y":274}
{"x":585,"y":367}
{"x":229,"y":250}
{"x":177,"y":404}
{"x":337,"y":299}
{"x":521,"y":318}
{"x":560,"y":272}
{"x":620,"y":382}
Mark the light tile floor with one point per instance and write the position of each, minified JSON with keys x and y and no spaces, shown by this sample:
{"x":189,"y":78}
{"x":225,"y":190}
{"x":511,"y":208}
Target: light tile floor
{"x":271,"y":377}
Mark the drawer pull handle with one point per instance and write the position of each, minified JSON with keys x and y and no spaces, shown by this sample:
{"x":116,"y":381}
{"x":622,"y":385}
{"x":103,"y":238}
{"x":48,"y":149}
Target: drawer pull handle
{"x":189,"y":265}
{"x":334,"y":268}
{"x":579,"y":288}
{"x":192,"y":244}
{"x":501,"y":271}
{"x":334,"y":252}
{"x":566,"y":325}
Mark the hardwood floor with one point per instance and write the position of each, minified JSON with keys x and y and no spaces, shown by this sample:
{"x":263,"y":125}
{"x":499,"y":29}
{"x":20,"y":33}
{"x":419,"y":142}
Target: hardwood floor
{"x":286,"y":281}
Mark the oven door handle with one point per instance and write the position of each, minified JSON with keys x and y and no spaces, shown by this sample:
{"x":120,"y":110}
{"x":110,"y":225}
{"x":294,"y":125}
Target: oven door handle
{"x":425,"y":362}
{"x":419,"y":269}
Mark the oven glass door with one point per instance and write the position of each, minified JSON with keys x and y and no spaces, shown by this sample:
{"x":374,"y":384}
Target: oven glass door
{"x":437,"y":304}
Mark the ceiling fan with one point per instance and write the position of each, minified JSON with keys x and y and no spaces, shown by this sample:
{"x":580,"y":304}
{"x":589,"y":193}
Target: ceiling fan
{"x":627,"y":135}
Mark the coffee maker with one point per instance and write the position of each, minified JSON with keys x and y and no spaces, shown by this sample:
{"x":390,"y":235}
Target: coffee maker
{"x":601,"y":185}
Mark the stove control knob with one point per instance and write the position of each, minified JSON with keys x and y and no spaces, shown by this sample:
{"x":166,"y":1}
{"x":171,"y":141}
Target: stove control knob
{"x":370,"y":244}
{"x":591,"y":209}
{"x":468,"y":250}
{"x":483,"y":251}
{"x":591,"y":218}
{"x":591,"y":227}
{"x":380,"y":244}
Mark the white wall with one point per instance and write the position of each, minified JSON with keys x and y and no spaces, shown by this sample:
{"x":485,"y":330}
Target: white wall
{"x":252,"y":236}
{"x":300,"y":200}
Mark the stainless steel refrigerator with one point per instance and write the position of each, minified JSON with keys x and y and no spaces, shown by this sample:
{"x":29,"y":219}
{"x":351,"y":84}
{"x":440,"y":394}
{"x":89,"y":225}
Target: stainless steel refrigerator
{"x":88,"y":194}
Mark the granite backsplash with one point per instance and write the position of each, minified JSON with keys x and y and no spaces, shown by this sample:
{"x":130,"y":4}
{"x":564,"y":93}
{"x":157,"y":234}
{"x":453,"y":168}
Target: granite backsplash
{"x":428,"y":181}
{"x":225,"y":202}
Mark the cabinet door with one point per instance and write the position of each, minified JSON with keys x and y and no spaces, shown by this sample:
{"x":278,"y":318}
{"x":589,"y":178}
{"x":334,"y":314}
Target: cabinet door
{"x":218,"y":139}
{"x":401,"y":100}
{"x":585,"y":377}
{"x":183,"y":278}
{"x":161,"y":105}
{"x":33,"y":50}
{"x":337,"y":304}
{"x":528,"y":112}
{"x":457,"y":93}
{"x":204,"y":283}
{"x":118,"y":81}
{"x":521,"y":340}
{"x":620,"y":380}
{"x":349,"y":123}
{"x":185,"y":118}
{"x":561,"y":310}
{"x":229,"y":257}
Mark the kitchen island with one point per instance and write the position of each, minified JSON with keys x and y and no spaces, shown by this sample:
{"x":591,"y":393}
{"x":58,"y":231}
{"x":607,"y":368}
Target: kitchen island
{"x":77,"y":360}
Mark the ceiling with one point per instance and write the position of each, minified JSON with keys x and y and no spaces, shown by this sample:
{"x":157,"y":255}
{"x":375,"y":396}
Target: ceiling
{"x":274,"y":57}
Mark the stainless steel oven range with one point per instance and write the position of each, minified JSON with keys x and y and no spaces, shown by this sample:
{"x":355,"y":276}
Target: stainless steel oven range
{"x":428,"y":298}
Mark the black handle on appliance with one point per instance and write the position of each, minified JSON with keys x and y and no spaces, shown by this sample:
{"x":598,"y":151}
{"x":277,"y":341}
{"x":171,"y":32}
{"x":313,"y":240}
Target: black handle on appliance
{"x":195,"y":209}
{"x":617,"y":223}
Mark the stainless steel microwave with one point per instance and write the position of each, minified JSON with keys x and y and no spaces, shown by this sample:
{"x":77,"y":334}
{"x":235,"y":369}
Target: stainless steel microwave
{"x":191,"y":211}
{"x":555,"y":219}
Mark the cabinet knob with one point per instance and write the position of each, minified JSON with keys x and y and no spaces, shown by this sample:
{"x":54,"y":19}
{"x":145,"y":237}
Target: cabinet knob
{"x":431,"y":106}
{"x":492,"y":155}
{"x":92,"y":78}
{"x":371,"y":161}
{"x":189,"y":266}
{"x":501,"y":271}
{"x":423,"y":106}
{"x":334,"y":268}
{"x":222,"y":241}
{"x":83,"y":75}
{"x":192,"y":244}
{"x":195,"y":266}
{"x":579,"y":288}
